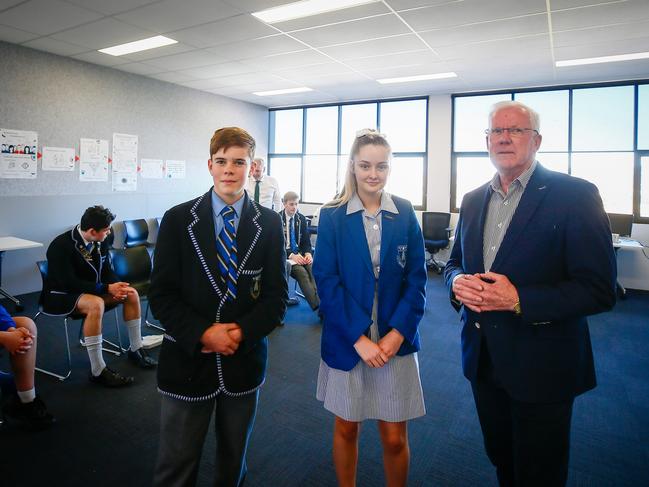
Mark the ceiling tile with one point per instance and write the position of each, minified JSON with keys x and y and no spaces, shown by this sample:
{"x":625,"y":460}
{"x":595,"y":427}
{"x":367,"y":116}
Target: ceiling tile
{"x":5,"y":4}
{"x":485,"y":31}
{"x":256,"y":5}
{"x":406,"y":4}
{"x":103,"y":33}
{"x":55,"y":46}
{"x":290,"y":60}
{"x":16,"y":36}
{"x":405,"y":70}
{"x":46,"y":16}
{"x":358,"y":12}
{"x":259,"y":80}
{"x":357,"y":30}
{"x":100,"y":58}
{"x":173,"y":77}
{"x":111,"y":7}
{"x":375,"y":47}
{"x":469,"y":12}
{"x":138,"y":68}
{"x":603,"y":72}
{"x":612,"y":48}
{"x":324,"y":81}
{"x":254,"y":48}
{"x":630,"y":11}
{"x":611,"y":33}
{"x":159,"y":52}
{"x":560,"y":4}
{"x":213,"y":71}
{"x":172,"y":15}
{"x":186,"y":60}
{"x":393,"y":60}
{"x":314,"y":71}
{"x":507,"y":50}
{"x":234,"y":29}
{"x":202,"y":84}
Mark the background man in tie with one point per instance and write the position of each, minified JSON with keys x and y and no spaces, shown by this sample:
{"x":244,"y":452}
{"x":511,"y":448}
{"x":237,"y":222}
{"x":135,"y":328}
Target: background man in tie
{"x":298,"y":248}
{"x":532,"y":258}
{"x":262,"y":188}
{"x":219,"y":288}
{"x":80,"y":279}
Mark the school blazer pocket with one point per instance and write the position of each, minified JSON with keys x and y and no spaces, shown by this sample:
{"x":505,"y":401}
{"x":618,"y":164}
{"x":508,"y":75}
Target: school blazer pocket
{"x":252,"y":282}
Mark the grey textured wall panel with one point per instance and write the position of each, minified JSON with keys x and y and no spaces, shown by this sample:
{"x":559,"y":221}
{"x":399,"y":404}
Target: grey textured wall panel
{"x":64,"y":100}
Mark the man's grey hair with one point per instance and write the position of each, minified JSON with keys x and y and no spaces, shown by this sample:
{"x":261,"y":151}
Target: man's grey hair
{"x":259,"y":160}
{"x":535,"y":119}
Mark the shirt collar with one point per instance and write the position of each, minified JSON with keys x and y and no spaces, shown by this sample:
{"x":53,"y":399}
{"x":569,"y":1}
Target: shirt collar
{"x":218,"y":204}
{"x":387,"y":204}
{"x":523,"y":179}
{"x":86,"y":242}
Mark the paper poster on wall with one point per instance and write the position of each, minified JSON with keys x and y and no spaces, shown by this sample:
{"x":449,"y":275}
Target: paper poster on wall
{"x":18,"y":154}
{"x":124,"y":162}
{"x":175,"y":169}
{"x":124,"y":181}
{"x":93,"y":160}
{"x":151,"y":168}
{"x":58,"y":159}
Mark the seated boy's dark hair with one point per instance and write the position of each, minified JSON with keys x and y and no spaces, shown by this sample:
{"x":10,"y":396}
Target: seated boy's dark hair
{"x":96,"y":217}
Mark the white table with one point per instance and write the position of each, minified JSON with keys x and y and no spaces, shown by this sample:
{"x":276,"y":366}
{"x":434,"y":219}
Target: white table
{"x":13,"y":243}
{"x":625,"y":243}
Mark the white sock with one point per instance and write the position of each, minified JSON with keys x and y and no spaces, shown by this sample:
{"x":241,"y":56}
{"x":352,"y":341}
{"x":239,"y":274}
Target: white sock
{"x":93,"y":346}
{"x":134,"y":334}
{"x":27,"y":396}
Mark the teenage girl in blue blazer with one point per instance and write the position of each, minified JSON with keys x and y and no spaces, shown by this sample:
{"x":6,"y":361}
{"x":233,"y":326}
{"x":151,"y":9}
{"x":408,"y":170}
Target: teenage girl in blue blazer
{"x":370,"y":271}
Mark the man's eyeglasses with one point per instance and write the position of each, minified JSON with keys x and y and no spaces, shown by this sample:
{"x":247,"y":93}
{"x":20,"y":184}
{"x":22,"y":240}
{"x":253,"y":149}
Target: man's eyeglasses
{"x":513,"y":131}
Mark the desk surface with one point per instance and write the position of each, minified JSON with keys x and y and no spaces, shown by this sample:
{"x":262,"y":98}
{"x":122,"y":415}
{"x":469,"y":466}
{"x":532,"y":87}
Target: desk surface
{"x":627,"y":243}
{"x":15,"y":243}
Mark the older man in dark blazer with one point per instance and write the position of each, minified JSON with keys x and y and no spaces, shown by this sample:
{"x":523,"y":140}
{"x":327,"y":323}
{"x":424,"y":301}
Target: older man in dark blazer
{"x":219,"y":288}
{"x":532,"y":259}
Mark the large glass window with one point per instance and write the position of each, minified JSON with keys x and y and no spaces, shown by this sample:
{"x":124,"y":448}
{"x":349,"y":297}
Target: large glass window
{"x":643,"y":117}
{"x":318,"y":169}
{"x":287,"y":131}
{"x":615,"y":186}
{"x":589,"y":132}
{"x":602,"y":119}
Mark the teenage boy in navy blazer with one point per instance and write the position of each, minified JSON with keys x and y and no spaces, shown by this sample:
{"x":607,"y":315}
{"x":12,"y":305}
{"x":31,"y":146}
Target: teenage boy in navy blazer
{"x":219,"y":288}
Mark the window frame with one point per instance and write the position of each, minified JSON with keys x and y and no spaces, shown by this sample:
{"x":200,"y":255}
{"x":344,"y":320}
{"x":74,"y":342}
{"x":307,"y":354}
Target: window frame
{"x":303,"y":153}
{"x":637,"y":218}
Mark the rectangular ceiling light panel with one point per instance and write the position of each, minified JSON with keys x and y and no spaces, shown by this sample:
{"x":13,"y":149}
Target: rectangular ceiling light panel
{"x":137,"y":46}
{"x":305,"y":8}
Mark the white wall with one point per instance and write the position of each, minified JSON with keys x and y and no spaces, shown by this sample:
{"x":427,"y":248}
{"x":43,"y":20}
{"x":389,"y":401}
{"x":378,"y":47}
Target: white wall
{"x":63,"y":100}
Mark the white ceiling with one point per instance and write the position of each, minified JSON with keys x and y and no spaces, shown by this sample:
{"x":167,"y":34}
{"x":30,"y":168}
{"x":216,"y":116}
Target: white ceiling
{"x":490,"y":44}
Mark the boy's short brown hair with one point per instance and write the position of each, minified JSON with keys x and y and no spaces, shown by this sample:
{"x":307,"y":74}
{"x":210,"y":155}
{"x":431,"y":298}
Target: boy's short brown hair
{"x":290,"y":196}
{"x":227,"y":137}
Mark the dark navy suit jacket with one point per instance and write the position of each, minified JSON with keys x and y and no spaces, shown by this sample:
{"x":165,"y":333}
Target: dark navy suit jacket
{"x":343,"y":273}
{"x":559,"y":255}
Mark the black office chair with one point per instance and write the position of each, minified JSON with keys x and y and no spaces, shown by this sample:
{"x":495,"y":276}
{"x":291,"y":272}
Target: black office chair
{"x":42,"y":268}
{"x":136,"y":232}
{"x":133,"y":265}
{"x":437,"y":234}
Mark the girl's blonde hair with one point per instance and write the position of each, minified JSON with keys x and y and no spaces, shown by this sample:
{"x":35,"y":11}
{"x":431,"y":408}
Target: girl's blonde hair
{"x":363,"y":137}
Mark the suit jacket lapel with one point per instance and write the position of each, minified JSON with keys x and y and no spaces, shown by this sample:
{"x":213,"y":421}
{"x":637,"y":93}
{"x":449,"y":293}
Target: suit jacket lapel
{"x":204,"y":233}
{"x":474,"y":253}
{"x":356,"y":233}
{"x":534,"y":193}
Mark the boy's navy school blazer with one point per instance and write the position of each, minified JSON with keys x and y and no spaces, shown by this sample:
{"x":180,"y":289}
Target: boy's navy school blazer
{"x":343,"y":273}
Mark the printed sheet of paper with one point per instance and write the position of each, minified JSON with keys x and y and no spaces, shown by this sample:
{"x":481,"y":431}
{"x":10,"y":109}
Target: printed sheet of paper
{"x":18,"y":154}
{"x":58,"y":159}
{"x":151,"y":168}
{"x":175,"y":169}
{"x":125,"y":162}
{"x":93,"y":160}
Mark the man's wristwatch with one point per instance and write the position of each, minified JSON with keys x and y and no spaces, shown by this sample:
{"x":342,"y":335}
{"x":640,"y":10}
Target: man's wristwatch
{"x":517,"y":308}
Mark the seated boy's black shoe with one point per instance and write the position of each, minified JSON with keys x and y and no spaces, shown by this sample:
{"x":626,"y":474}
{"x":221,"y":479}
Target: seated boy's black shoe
{"x":142,"y":359}
{"x":32,"y":416}
{"x":292,"y":301}
{"x":111,"y":378}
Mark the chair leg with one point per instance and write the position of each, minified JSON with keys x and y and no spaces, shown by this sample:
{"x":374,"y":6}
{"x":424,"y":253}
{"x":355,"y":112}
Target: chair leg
{"x":119,"y":350}
{"x":67,"y":348}
{"x":147,"y":322}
